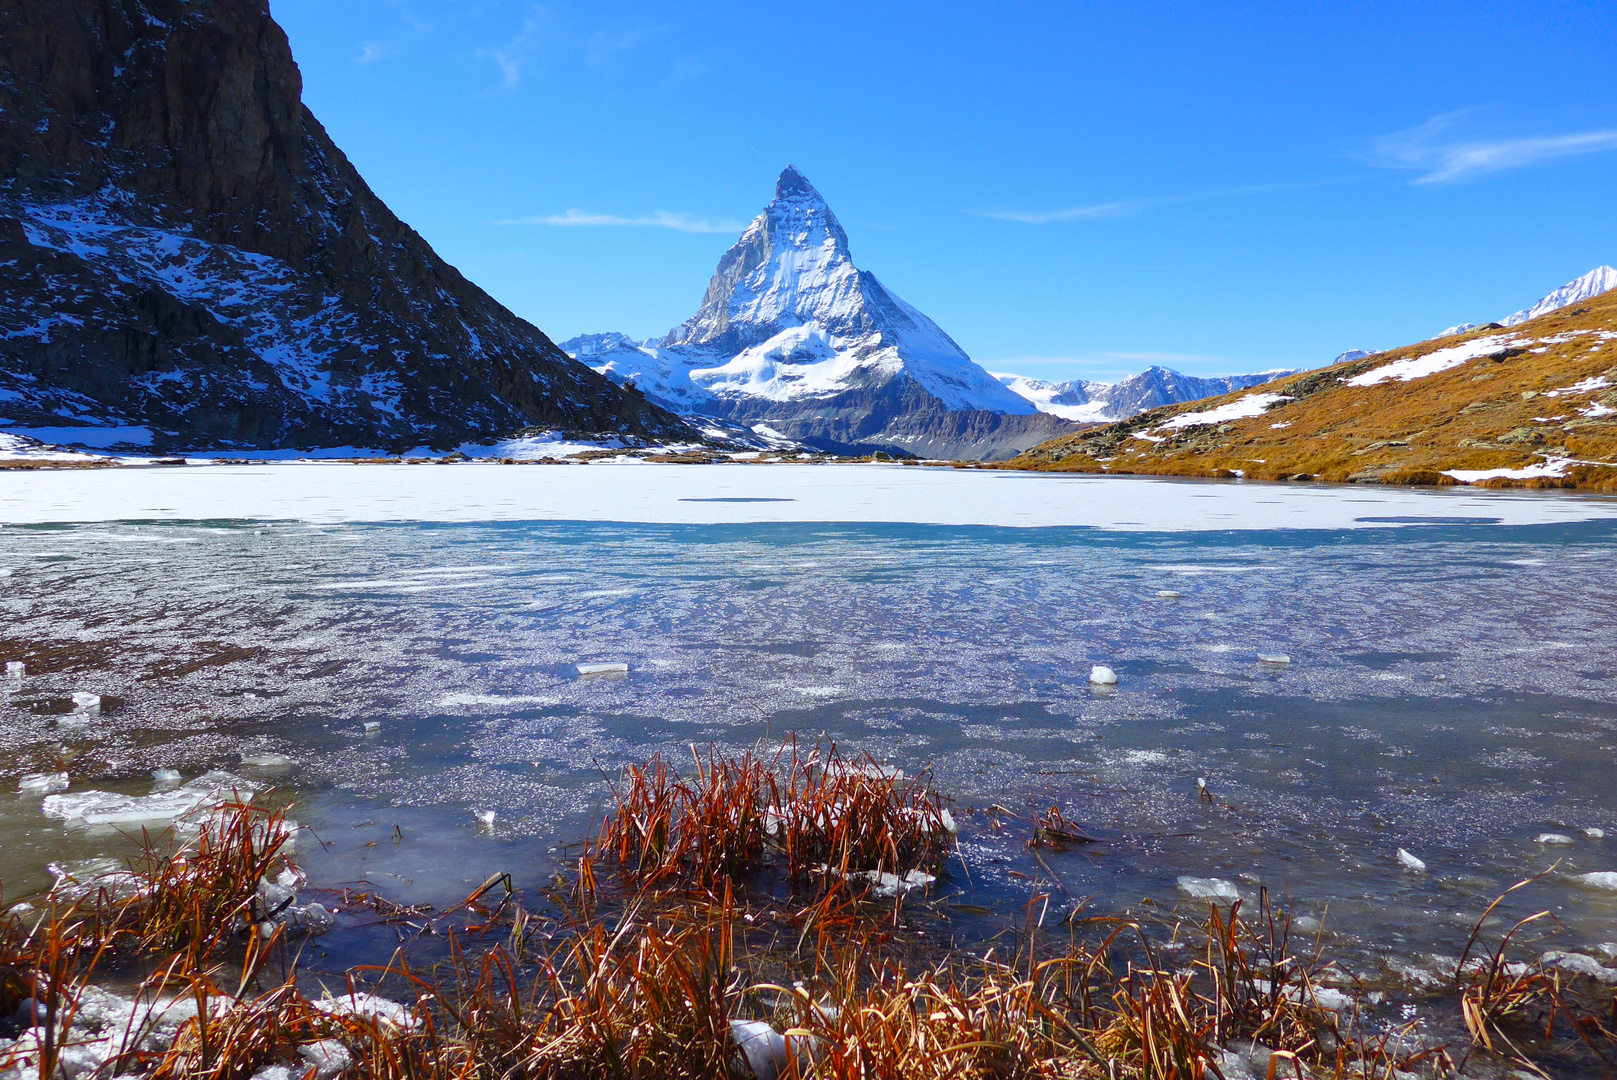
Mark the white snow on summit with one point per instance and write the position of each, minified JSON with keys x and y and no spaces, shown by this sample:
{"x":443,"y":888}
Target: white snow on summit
{"x":789,"y":317}
{"x":1599,"y":280}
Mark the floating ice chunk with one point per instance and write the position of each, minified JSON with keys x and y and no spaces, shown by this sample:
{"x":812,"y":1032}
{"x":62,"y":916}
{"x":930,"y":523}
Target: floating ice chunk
{"x":311,"y":919}
{"x":948,"y":822}
{"x":166,"y":776}
{"x":276,"y":1072}
{"x":43,"y":781}
{"x":1100,"y":675}
{"x":85,"y":877}
{"x":485,"y":818}
{"x":1552,"y":838}
{"x":1595,"y":834}
{"x":1278,"y":658}
{"x":1331,"y":1000}
{"x":765,"y":1049}
{"x":86,"y":704}
{"x":1409,"y":862}
{"x":328,"y":1057}
{"x":1600,"y":879}
{"x":1579,"y":964}
{"x":884,"y":884}
{"x":111,"y":808}
{"x":1167,"y":594}
{"x":372,"y":727}
{"x":601,"y":669}
{"x":369,"y":1007}
{"x":1208,"y":888}
{"x":266,"y":761}
{"x":16,"y":669}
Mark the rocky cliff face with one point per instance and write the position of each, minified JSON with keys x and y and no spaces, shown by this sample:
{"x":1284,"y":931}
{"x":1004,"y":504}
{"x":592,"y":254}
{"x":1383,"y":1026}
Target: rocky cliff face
{"x":187,"y":253}
{"x":792,"y":337}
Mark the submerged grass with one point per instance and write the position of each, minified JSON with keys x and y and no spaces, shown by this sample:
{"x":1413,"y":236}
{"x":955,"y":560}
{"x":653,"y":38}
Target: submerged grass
{"x":667,"y":973}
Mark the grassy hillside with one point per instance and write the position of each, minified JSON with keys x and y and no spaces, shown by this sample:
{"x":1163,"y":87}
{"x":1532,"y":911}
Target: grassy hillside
{"x":1532,"y":406}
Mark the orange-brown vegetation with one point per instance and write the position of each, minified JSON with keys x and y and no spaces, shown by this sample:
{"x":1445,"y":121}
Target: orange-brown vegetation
{"x":1507,"y":411}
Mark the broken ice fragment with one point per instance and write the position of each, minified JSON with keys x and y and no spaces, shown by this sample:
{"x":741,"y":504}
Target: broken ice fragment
{"x":16,"y":669}
{"x":1167,"y":594}
{"x":111,"y":808}
{"x":328,"y":1057}
{"x":1552,"y":838}
{"x":1600,"y":879}
{"x":1595,"y":834}
{"x":764,"y":1048}
{"x":266,"y":761}
{"x":1208,"y":888}
{"x":86,"y":704}
{"x":601,"y":669}
{"x":1409,"y":862}
{"x":1279,"y":658}
{"x":1100,"y":675}
{"x":42,"y":781}
{"x":166,"y":776}
{"x":372,"y":726}
{"x":485,"y":818}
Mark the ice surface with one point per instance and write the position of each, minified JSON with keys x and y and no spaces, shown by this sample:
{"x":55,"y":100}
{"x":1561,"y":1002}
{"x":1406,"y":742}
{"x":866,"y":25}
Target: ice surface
{"x":370,"y":1007}
{"x":1600,"y":879}
{"x":109,"y":808}
{"x":674,"y":494}
{"x":1199,"y":888}
{"x":600,"y":669}
{"x":266,"y":760}
{"x":1410,"y":862}
{"x":1279,"y":658}
{"x":764,"y":1048}
{"x":46,"y":782}
{"x":16,"y":669}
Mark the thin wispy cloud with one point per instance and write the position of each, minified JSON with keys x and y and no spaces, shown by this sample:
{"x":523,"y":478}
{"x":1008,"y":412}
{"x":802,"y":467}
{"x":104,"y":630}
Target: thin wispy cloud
{"x":1441,"y":157}
{"x":372,"y":51}
{"x":661,"y":219}
{"x":1129,"y":207}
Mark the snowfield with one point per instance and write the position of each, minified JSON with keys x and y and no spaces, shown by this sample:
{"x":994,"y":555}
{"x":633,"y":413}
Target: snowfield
{"x":1433,"y":362}
{"x":1241,"y":409}
{"x":742,"y":493}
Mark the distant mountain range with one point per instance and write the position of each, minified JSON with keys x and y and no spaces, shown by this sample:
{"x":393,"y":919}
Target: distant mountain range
{"x":795,"y":342}
{"x":191,"y":263}
{"x":1089,"y":402}
{"x":1601,"y":279}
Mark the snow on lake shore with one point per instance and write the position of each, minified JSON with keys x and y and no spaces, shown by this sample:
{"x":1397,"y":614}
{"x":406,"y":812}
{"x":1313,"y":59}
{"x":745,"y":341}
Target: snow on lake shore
{"x":716,"y":494}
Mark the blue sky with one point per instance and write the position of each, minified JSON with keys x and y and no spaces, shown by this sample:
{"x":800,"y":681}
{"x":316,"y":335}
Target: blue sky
{"x":1070,"y":190}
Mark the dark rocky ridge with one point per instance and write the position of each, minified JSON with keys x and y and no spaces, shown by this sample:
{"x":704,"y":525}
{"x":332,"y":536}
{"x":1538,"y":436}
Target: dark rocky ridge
{"x":185,"y":249}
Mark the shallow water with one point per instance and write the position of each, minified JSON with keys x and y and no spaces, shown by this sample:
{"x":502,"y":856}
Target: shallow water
{"x":1451,"y":692}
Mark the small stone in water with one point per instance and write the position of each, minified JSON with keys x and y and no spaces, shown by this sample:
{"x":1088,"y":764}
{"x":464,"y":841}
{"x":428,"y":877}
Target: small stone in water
{"x":1100,"y":675}
{"x":1409,"y":862}
{"x":1552,"y":838}
{"x":1274,"y":658}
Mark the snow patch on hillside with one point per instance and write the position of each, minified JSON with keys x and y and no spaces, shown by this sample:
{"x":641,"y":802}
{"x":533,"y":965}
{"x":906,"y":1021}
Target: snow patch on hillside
{"x":1433,"y":362}
{"x":1241,"y":409}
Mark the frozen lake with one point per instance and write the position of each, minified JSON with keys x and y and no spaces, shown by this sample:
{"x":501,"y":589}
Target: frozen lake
{"x":1452,"y":690}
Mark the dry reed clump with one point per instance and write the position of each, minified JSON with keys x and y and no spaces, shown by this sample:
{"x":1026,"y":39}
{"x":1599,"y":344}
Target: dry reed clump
{"x":816,"y":815}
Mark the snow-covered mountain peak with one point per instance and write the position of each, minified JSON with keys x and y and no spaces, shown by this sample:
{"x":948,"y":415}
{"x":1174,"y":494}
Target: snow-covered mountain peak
{"x":1599,"y":280}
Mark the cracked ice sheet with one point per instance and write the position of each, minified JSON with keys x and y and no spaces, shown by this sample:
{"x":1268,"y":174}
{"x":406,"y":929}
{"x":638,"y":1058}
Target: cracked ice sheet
{"x":733,"y":494}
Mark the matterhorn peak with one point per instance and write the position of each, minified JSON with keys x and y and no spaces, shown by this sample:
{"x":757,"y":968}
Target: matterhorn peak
{"x":794,"y":185}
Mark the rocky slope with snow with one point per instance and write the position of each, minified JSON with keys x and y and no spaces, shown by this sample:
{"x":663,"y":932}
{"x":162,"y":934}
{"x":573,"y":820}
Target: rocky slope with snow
{"x":190,"y":262}
{"x":795,"y":341}
{"x":1534,"y":404}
